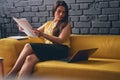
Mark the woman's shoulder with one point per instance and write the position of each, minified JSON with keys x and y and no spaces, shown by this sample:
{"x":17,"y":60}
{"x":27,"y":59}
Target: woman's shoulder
{"x":69,"y":23}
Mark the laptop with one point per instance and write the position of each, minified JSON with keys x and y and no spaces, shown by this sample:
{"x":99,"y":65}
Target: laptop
{"x":81,"y":55}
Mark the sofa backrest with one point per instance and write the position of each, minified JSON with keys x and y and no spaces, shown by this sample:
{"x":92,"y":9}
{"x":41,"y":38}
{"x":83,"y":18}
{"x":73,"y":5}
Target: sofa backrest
{"x":108,"y":45}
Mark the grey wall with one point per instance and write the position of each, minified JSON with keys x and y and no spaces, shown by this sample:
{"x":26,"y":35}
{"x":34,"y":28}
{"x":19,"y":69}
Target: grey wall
{"x":86,"y":16}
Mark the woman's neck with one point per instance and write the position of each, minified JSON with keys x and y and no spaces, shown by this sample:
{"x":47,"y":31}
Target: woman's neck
{"x":55,"y":21}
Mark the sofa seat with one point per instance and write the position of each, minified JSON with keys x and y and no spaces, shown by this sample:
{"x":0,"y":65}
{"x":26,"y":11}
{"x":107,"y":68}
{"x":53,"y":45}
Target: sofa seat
{"x":93,"y":69}
{"x":104,"y":64}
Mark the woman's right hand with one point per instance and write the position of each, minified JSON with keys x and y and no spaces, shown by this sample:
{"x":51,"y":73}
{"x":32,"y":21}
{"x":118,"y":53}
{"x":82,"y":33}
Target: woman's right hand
{"x":20,"y":28}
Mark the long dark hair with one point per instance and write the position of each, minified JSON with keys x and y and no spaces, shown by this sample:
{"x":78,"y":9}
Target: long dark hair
{"x":61,"y":24}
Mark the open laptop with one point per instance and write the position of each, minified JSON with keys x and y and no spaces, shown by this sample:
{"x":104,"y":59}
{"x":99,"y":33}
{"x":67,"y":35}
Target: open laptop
{"x":81,"y":55}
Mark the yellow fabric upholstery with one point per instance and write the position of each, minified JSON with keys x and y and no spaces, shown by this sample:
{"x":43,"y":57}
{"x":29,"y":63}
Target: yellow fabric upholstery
{"x":108,"y":45}
{"x":95,"y":68}
{"x":104,"y":64}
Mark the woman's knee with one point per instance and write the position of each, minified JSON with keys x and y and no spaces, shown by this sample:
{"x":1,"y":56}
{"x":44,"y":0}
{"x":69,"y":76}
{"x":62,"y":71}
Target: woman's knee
{"x":32,"y":59}
{"x":27,"y":45}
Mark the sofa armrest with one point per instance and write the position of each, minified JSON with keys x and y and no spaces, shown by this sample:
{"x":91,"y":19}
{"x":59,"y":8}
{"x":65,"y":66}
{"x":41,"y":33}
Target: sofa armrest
{"x":10,"y":49}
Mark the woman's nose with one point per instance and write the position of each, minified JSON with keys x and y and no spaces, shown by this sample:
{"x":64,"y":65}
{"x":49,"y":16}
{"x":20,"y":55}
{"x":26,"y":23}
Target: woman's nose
{"x":61,"y":14}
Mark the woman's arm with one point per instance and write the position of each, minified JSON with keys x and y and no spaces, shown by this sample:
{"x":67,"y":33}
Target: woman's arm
{"x":61,"y":38}
{"x":40,"y":29}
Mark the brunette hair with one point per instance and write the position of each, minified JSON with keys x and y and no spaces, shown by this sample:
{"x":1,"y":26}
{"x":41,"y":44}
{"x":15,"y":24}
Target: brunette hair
{"x":61,"y":24}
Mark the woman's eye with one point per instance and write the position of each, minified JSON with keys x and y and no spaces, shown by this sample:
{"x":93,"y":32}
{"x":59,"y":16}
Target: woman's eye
{"x":59,"y":11}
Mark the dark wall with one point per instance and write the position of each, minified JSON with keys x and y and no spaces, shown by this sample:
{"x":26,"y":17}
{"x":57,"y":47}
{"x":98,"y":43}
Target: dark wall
{"x":86,"y":16}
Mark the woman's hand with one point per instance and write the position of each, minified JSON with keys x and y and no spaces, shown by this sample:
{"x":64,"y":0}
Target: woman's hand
{"x":20,"y":28}
{"x":37,"y":32}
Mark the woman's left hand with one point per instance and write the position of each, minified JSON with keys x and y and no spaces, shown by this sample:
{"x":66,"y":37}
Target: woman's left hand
{"x":37,"y":32}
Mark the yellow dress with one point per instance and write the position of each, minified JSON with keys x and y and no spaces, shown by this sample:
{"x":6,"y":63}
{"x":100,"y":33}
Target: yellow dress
{"x":49,"y":26}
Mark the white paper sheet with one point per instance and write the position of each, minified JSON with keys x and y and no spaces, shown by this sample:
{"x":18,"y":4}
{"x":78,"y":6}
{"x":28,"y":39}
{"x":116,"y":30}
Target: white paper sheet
{"x":27,"y":28}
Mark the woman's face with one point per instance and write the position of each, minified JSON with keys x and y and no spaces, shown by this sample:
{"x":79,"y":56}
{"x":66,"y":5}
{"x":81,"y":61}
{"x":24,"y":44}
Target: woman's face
{"x":59,"y":13}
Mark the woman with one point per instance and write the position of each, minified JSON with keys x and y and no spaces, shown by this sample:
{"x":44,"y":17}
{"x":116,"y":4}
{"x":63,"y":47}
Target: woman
{"x":56,"y":34}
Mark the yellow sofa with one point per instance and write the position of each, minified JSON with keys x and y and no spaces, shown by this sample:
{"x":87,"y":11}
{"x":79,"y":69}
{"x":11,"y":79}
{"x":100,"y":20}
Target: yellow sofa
{"x":104,"y":64}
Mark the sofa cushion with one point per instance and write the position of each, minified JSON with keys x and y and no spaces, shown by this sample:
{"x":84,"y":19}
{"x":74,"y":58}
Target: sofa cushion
{"x":107,"y":45}
{"x":94,"y":69}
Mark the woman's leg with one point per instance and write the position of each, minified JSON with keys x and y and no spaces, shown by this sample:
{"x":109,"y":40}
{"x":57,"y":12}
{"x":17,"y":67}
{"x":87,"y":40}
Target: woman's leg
{"x":27,"y":50}
{"x":28,"y":66}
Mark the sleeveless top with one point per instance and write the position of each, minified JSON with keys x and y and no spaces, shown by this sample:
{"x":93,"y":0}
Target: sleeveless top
{"x":48,"y":29}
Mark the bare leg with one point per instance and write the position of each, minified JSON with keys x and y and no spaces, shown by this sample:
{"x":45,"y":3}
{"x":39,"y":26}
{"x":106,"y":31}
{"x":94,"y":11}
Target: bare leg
{"x":28,"y":66}
{"x":27,"y":50}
